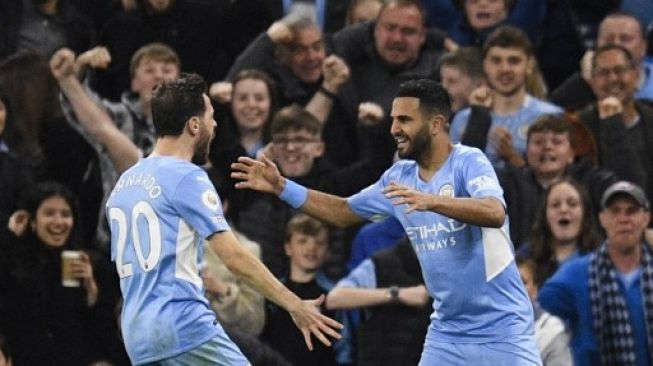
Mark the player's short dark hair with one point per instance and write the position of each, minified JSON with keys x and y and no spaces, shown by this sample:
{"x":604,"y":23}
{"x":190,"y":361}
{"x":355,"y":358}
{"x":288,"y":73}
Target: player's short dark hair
{"x":175,"y":102}
{"x":433,"y":97}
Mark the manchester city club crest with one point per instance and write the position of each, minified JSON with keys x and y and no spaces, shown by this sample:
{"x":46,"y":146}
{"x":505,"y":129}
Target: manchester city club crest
{"x":446,"y":191}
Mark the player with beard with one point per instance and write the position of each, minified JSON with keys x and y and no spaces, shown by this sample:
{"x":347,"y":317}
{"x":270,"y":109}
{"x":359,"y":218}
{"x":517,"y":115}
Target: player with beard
{"x":499,"y":116}
{"x":160,"y":212}
{"x":449,"y":201}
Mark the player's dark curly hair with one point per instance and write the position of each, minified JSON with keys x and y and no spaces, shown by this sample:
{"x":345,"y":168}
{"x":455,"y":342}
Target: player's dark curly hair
{"x":433,"y":97}
{"x":175,"y":102}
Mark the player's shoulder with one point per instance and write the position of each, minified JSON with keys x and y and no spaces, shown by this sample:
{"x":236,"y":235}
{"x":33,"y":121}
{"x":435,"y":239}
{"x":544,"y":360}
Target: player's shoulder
{"x":172,"y":167}
{"x":462,"y":152}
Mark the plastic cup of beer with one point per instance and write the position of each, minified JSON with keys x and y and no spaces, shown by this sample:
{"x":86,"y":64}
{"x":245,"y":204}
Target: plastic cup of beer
{"x":67,"y":258}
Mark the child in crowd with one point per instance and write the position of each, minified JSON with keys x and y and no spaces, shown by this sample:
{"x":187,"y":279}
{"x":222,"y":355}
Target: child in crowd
{"x":307,"y":247}
{"x":550,"y":334}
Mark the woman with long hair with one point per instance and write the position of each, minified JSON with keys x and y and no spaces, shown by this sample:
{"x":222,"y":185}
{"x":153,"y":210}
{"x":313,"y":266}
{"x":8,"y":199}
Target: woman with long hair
{"x":245,"y":128}
{"x":46,"y":322}
{"x":564,"y":227}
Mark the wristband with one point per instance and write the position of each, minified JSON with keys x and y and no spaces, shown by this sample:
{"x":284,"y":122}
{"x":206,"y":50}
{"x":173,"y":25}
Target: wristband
{"x":294,"y":194}
{"x":326,"y":93}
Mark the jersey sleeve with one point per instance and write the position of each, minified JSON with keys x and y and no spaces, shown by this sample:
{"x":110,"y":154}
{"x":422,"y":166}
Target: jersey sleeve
{"x":480,"y":178}
{"x":198,"y":203}
{"x":371,"y":203}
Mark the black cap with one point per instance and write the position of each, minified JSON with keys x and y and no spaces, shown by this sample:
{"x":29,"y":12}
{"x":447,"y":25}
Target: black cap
{"x":627,"y":188}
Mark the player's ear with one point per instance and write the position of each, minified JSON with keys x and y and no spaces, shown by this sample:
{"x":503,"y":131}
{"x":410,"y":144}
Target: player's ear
{"x":194,"y":125}
{"x":437,"y":124}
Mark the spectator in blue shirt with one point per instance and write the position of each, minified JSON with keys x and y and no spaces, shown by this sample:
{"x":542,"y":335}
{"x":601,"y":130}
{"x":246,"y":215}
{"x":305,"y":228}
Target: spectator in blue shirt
{"x":606,"y":297}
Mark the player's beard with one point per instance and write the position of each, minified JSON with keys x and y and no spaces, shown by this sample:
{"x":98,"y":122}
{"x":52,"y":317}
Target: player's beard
{"x":419,"y":144}
{"x":201,"y":155}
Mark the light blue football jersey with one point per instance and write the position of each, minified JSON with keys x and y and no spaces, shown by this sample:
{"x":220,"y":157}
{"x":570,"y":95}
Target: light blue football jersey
{"x":517,"y":124}
{"x":470,"y":272}
{"x":160,"y":211}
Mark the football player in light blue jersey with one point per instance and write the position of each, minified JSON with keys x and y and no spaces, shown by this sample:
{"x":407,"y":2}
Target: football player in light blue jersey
{"x":160,"y":212}
{"x":448,"y":200}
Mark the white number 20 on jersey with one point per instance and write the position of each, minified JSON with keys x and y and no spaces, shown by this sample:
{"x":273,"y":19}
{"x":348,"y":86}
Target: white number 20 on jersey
{"x":154,"y":234}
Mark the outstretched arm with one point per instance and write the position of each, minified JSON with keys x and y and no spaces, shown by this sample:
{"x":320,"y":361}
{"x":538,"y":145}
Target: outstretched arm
{"x":264,"y":176}
{"x":304,"y":313}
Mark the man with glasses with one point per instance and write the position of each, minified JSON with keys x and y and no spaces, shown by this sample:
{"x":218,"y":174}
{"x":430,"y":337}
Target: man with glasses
{"x":621,"y":29}
{"x":617,"y":118}
{"x":297,"y":148}
{"x":294,"y":53}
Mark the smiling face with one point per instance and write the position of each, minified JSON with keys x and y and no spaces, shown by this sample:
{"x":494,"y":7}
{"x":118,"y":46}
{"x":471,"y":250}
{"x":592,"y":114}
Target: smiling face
{"x":484,"y":14}
{"x":564,"y":213}
{"x":149,"y":73}
{"x":250,"y":104}
{"x":296,"y":150}
{"x":399,"y":34}
{"x":506,"y":70}
{"x":54,"y":221}
{"x":549,"y":153}
{"x":408,"y":128}
{"x":307,"y":54}
{"x":614,"y":75}
{"x":307,"y":252}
